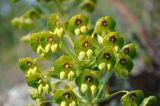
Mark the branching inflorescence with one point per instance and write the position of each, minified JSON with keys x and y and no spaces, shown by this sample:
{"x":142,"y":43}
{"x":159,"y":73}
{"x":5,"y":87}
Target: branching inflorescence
{"x":83,"y":57}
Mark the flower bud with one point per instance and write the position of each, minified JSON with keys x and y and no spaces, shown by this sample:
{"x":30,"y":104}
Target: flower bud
{"x":89,"y":53}
{"x":81,"y":55}
{"x":46,"y":88}
{"x":56,"y":30}
{"x":100,"y":40}
{"x":108,"y":66}
{"x":40,"y":50}
{"x":63,"y":103}
{"x":73,"y":103}
{"x":93,"y":89}
{"x":54,"y":47}
{"x":101,"y":66}
{"x":40,"y":89}
{"x":60,"y":32}
{"x":77,"y":31}
{"x":84,"y":87}
{"x":71,"y":75}
{"x":62,"y":75}
{"x":83,"y":29}
{"x":47,"y":48}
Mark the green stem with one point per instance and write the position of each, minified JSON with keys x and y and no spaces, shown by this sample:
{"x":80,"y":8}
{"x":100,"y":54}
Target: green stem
{"x":110,"y":96}
{"x":89,"y":98}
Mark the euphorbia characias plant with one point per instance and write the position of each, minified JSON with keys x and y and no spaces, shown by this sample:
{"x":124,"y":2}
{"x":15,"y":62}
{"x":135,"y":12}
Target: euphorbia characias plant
{"x":83,"y":57}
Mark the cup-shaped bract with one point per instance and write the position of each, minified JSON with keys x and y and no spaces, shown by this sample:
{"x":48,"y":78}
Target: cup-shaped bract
{"x":88,"y":81}
{"x":106,"y":58}
{"x":85,"y":47}
{"x":65,"y":97}
{"x":44,"y":42}
{"x":65,"y":67}
{"x":79,"y":24}
{"x":114,"y":39}
{"x":129,"y":50}
{"x":133,"y":98}
{"x":88,"y":5}
{"x":149,"y":101}
{"x":103,"y":26}
{"x":123,"y":65}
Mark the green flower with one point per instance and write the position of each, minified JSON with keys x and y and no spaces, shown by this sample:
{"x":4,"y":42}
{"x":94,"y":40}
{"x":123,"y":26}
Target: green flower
{"x":85,"y":47}
{"x":123,"y":65}
{"x":28,"y":66}
{"x":21,"y":22}
{"x":129,"y":50}
{"x":113,"y":39}
{"x":88,"y":5}
{"x":43,"y":87}
{"x":54,"y":25}
{"x":149,"y":101}
{"x":79,"y":24}
{"x":106,"y":58}
{"x":31,"y":13}
{"x":65,"y":67}
{"x":103,"y":26}
{"x":44,"y":42}
{"x":65,"y":97}
{"x":88,"y":81}
{"x":133,"y":98}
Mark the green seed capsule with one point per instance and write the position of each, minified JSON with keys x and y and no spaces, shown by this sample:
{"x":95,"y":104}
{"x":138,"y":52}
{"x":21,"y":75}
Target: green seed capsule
{"x":77,"y":31}
{"x":54,"y":48}
{"x":63,"y":103}
{"x":73,"y":103}
{"x":40,"y":89}
{"x":82,"y":55}
{"x":101,"y":66}
{"x":89,"y":53}
{"x":83,"y":29}
{"x":71,"y":75}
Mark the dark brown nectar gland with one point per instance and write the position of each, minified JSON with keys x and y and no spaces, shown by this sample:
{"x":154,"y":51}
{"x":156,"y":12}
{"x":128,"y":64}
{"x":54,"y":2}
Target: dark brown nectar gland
{"x":126,"y":51}
{"x":89,"y":79}
{"x":51,"y":39}
{"x":106,"y":56}
{"x":112,"y":39}
{"x":104,"y":23}
{"x":132,"y":96}
{"x":122,"y":61}
{"x":57,"y":22}
{"x":67,"y":95}
{"x":29,"y":63}
{"x":78,"y":22}
{"x":67,"y":65}
{"x":85,"y":44}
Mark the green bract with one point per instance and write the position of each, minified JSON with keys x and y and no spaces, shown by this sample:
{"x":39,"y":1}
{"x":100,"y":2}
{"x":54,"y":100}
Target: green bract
{"x":79,"y":24}
{"x":129,"y":50}
{"x":65,"y":97}
{"x":106,"y":58}
{"x":44,"y":42}
{"x":85,"y":47}
{"x":123,"y":65}
{"x":55,"y":25}
{"x":65,"y":67}
{"x":104,"y":25}
{"x":88,"y":81}
{"x":149,"y":101}
{"x":133,"y":98}
{"x":88,"y":5}
{"x":114,"y":39}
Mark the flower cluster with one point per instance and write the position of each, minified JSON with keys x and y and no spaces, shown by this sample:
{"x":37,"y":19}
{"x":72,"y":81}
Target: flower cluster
{"x":81,"y":57}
